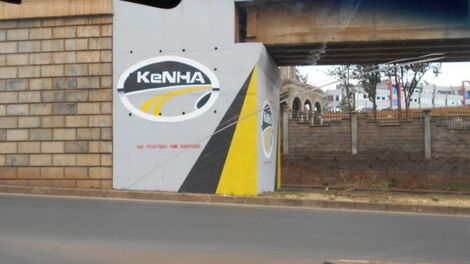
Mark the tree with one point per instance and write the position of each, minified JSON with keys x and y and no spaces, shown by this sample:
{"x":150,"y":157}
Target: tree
{"x":346,"y":73}
{"x":302,"y":77}
{"x":409,"y":76}
{"x":344,"y":105}
{"x":369,"y":76}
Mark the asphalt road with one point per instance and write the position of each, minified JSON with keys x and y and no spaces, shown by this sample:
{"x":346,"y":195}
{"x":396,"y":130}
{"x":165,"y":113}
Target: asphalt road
{"x":66,"y":230}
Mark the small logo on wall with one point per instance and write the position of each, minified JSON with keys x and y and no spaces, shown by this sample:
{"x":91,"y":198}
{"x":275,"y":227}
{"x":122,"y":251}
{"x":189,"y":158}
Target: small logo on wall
{"x":168,"y":89}
{"x":267,"y":134}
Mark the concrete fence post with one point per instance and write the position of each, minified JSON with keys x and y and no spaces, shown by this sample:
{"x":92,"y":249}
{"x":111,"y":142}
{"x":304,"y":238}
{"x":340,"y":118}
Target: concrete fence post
{"x":285,"y":130}
{"x":354,"y":133}
{"x":427,"y":135}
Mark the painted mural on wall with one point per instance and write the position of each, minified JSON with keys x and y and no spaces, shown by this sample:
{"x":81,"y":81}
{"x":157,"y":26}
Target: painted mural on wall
{"x":194,"y":117}
{"x":267,"y":134}
{"x":168,"y":89}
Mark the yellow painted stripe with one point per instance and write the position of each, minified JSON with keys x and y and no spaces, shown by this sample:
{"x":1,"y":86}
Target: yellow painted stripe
{"x":171,"y":95}
{"x":278,"y":155}
{"x":239,"y":175}
{"x":161,"y":99}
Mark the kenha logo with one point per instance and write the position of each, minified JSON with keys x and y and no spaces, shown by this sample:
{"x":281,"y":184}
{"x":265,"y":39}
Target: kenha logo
{"x":267,"y":134}
{"x":168,"y":89}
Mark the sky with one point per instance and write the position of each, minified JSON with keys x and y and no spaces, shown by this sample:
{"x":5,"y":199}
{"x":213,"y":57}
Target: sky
{"x":452,"y":75}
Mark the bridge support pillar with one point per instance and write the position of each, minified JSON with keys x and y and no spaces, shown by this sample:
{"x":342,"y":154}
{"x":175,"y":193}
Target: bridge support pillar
{"x":194,"y":111}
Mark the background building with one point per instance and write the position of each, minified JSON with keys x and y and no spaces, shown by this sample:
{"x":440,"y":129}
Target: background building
{"x":426,"y":95}
{"x":300,"y":96}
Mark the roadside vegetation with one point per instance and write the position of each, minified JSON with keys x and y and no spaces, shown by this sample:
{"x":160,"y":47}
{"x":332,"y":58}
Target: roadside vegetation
{"x":438,"y":199}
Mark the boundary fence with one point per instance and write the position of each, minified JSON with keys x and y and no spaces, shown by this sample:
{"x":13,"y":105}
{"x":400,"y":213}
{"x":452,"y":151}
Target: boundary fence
{"x":456,"y":118}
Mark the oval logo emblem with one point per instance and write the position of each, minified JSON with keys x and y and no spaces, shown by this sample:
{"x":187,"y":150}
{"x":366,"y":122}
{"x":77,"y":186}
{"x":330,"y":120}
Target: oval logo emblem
{"x":267,"y":129}
{"x":168,"y":89}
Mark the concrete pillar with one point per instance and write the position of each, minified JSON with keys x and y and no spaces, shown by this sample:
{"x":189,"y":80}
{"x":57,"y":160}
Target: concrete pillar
{"x":285,"y":130}
{"x":354,"y":133}
{"x":427,"y":135}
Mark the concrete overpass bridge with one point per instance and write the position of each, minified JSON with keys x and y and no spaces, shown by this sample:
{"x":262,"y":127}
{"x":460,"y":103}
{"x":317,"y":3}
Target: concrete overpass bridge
{"x":97,"y":49}
{"x":305,"y":32}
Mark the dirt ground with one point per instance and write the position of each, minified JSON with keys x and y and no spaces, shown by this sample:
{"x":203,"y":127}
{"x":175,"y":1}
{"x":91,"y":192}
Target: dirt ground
{"x":378,"y":197}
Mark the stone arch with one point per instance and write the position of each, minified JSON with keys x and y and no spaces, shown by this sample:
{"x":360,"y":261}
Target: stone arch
{"x":308,"y":106}
{"x":318,"y":108}
{"x":296,"y":106}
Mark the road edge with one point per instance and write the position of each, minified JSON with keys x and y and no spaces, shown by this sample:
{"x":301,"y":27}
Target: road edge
{"x":226,"y":199}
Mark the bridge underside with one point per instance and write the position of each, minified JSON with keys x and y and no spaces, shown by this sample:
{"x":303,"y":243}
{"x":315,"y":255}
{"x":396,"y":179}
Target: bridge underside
{"x":372,"y":52}
{"x":328,"y":32}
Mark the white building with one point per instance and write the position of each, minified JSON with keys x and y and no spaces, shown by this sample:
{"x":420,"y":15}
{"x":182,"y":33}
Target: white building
{"x":426,"y":95}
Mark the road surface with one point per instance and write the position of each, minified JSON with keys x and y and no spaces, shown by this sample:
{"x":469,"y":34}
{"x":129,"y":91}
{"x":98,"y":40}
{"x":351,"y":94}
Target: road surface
{"x":72,"y":230}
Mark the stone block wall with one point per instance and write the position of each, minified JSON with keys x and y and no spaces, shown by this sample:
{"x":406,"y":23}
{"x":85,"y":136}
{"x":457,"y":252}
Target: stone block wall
{"x":389,"y":155}
{"x":56,"y":102}
{"x":450,"y":143}
{"x":320,"y":141}
{"x":403,"y":140}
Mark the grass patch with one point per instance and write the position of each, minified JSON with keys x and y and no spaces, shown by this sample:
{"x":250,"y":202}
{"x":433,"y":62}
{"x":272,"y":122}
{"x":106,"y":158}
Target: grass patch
{"x":458,"y":187}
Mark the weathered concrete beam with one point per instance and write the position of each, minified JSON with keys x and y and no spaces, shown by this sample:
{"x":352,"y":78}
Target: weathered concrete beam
{"x":368,"y":52}
{"x":330,"y":32}
{"x":318,"y":22}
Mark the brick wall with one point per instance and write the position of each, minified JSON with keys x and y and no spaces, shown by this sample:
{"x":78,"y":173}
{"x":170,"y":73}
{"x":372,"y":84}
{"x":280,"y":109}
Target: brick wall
{"x":450,"y":143}
{"x":403,"y":140}
{"x":321,"y":141}
{"x":56,"y":102}
{"x":389,"y":155}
